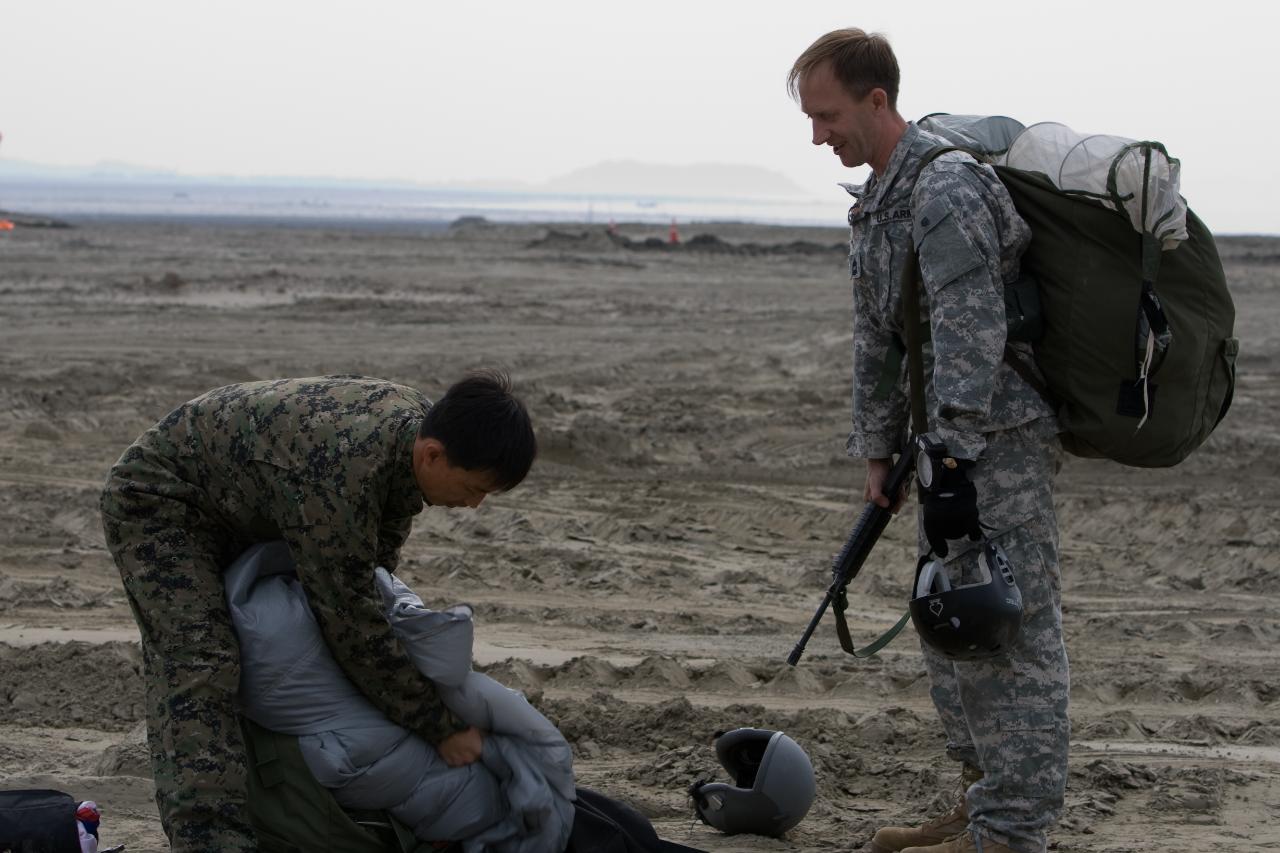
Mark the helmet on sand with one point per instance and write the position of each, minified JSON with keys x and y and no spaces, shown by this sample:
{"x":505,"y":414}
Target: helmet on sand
{"x":970,"y":622}
{"x":773,"y":784}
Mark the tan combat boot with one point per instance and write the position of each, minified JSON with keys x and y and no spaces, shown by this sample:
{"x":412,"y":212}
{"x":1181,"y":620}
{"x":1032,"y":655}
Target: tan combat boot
{"x":890,"y":839}
{"x":965,"y":842}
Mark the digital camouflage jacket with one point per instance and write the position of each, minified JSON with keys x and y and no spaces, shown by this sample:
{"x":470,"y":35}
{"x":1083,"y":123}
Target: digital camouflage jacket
{"x":326,"y":465}
{"x":969,"y":238}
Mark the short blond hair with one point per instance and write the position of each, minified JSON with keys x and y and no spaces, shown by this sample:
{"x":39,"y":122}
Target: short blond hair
{"x":861,"y":61}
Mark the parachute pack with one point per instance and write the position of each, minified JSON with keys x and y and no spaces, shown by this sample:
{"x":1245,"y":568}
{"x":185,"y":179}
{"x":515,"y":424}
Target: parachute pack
{"x":1122,"y":293}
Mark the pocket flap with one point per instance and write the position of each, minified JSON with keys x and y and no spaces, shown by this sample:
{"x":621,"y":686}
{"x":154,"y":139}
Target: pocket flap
{"x":930,"y":215}
{"x":1032,"y":719}
{"x":946,"y":251}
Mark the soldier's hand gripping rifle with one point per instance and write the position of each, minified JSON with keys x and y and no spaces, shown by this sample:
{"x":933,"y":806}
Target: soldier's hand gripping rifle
{"x":847,"y":564}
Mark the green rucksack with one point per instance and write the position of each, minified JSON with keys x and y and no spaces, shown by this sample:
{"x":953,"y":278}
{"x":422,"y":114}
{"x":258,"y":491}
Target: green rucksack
{"x":293,"y":813}
{"x":1122,"y":292}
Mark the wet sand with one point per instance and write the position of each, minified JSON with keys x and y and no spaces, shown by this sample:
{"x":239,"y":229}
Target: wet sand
{"x":646,"y":583}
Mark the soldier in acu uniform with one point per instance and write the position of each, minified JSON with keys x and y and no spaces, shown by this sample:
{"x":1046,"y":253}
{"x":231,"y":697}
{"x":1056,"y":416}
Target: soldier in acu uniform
{"x":337,"y":467}
{"x":1005,"y":717}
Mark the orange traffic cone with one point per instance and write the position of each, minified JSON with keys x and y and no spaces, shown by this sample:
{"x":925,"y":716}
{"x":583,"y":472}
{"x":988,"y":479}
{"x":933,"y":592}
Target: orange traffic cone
{"x":673,"y":236}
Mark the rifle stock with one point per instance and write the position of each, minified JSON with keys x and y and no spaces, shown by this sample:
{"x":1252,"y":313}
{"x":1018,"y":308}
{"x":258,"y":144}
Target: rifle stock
{"x":866,"y":532}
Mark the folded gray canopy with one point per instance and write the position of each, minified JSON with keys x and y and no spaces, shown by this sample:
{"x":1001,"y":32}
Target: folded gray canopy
{"x":517,"y":799}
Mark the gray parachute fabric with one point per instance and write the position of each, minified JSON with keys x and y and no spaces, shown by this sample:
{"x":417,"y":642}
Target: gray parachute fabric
{"x":517,"y":799}
{"x":988,"y":136}
{"x":1137,"y":348}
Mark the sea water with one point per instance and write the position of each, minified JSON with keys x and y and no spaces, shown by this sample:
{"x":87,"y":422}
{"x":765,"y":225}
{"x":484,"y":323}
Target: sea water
{"x":354,"y":205}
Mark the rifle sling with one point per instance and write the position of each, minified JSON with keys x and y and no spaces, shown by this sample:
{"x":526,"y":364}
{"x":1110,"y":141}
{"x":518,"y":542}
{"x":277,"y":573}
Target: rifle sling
{"x":846,"y":641}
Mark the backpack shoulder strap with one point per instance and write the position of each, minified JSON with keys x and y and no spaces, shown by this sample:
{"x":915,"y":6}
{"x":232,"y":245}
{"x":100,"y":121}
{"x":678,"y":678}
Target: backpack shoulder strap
{"x":911,"y":333}
{"x":1029,"y":376}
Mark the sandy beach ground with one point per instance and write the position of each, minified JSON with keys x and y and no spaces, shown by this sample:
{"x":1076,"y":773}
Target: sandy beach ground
{"x":646,"y":583}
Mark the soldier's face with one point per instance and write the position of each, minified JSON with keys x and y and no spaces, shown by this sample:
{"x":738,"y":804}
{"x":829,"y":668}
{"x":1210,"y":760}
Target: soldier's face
{"x":839,"y":120}
{"x":443,"y":484}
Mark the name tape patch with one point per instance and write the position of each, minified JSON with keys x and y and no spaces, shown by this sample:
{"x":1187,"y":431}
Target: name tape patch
{"x":882,"y":217}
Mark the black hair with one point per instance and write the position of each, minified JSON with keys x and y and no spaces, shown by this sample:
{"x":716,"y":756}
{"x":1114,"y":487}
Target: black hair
{"x":483,"y":427}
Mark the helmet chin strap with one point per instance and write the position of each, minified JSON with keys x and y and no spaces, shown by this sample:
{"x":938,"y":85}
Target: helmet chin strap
{"x":932,"y":578}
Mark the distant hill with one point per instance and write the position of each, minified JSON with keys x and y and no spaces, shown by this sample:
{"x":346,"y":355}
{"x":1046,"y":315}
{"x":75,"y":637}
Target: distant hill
{"x":115,"y":172}
{"x":25,"y":170}
{"x":708,"y":180}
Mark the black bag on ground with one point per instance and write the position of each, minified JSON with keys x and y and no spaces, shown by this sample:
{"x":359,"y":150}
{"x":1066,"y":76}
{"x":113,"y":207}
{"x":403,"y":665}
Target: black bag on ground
{"x":604,"y":825}
{"x":38,"y":821}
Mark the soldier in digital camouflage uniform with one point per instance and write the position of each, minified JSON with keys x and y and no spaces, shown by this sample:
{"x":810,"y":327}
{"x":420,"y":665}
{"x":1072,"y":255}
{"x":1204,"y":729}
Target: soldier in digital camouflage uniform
{"x":1005,"y":718}
{"x":336,"y":467}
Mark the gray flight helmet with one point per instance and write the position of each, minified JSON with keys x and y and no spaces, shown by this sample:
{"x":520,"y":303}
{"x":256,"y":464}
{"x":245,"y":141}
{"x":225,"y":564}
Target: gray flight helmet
{"x":773,"y":785}
{"x":971,"y":622}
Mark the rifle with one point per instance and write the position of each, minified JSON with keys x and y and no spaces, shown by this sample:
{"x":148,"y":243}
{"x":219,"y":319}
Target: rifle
{"x":847,"y":564}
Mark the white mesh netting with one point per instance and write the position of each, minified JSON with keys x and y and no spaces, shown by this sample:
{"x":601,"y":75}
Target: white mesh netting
{"x":1138,"y":179}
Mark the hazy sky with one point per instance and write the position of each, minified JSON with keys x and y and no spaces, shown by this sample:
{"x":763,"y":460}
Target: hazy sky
{"x":438,"y":91}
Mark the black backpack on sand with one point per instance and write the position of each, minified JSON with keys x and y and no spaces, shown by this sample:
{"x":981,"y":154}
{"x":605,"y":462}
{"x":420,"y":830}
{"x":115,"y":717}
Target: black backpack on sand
{"x":38,"y":821}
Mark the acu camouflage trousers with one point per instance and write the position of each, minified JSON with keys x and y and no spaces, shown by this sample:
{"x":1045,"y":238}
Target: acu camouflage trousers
{"x":171,"y":559}
{"x":1008,"y":715}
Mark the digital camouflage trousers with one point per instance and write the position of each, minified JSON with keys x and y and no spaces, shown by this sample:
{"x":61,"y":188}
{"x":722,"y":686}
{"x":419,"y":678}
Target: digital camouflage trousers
{"x":171,"y":561}
{"x":1008,"y":715}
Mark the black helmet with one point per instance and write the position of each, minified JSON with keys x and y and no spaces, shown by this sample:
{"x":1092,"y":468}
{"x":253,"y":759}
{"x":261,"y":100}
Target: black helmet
{"x":773,"y":784}
{"x":971,"y":622}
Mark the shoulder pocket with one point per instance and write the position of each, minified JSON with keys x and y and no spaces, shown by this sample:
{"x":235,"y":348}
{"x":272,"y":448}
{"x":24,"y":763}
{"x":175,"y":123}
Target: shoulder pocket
{"x":855,"y":262}
{"x":946,"y":251}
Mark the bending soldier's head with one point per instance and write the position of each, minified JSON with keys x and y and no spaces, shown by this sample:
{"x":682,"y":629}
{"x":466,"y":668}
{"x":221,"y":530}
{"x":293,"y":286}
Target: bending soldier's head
{"x":847,"y":83}
{"x":476,"y":440}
